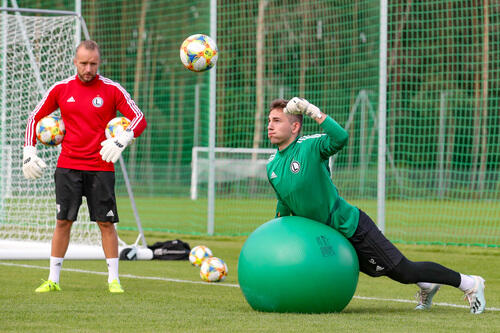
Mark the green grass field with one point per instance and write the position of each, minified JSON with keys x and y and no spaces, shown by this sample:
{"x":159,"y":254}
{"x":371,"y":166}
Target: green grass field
{"x":168,"y":296}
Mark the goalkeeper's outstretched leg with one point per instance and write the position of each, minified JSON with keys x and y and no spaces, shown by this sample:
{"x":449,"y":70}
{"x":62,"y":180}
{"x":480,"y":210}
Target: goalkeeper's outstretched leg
{"x":378,"y":256}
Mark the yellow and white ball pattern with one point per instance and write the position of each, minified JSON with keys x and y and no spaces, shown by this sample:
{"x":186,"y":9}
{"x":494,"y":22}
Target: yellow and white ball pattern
{"x":213,"y":270}
{"x":50,"y":130}
{"x":198,"y":254}
{"x":116,"y":126}
{"x":199,"y":53}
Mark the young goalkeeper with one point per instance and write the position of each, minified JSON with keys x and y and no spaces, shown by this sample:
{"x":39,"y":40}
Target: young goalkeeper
{"x":85,"y":167}
{"x":300,"y":176}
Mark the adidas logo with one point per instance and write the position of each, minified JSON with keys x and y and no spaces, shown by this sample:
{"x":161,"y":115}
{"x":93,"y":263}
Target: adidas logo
{"x":71,"y":100}
{"x":273,"y":175}
{"x":110,"y":213}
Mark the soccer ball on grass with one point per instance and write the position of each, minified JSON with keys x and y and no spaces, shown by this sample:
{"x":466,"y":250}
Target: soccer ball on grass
{"x":50,"y":130}
{"x":198,"y":254}
{"x":213,"y":270}
{"x":199,"y":53}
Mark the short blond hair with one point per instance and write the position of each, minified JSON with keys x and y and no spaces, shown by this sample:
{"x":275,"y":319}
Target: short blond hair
{"x":89,"y":45}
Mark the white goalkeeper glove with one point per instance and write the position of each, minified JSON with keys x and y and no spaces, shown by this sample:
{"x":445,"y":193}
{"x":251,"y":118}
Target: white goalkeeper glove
{"x":112,"y":148}
{"x":299,"y":105}
{"x":32,"y":165}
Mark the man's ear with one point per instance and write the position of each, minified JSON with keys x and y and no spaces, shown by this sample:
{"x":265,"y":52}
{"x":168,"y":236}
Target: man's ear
{"x":296,"y":127}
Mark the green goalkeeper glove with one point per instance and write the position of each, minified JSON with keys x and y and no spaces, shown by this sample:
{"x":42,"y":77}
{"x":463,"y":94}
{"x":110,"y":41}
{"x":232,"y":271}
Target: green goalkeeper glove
{"x":112,"y":148}
{"x":299,"y":105}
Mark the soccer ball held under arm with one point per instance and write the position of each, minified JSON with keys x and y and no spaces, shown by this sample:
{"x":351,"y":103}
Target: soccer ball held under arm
{"x":299,"y":105}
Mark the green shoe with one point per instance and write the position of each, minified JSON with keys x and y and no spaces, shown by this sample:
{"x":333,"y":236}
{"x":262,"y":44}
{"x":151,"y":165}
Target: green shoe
{"x":115,"y":287}
{"x":48,"y":286}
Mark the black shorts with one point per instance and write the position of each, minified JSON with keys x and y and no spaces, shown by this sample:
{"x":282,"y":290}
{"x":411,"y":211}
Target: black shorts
{"x":97,"y":186}
{"x":376,"y":254}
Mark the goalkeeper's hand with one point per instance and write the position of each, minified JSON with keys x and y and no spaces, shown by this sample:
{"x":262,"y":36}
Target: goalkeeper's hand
{"x":299,"y":105}
{"x":112,"y":148}
{"x":32,"y":165}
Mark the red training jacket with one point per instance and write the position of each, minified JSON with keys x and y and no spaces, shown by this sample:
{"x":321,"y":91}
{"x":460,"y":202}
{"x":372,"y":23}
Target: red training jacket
{"x":86,"y":109}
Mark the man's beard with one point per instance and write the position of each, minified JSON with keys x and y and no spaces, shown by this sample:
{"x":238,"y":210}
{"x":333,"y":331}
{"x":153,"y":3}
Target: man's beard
{"x":82,"y":77}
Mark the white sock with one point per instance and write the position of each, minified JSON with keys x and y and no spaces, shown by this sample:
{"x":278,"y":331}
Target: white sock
{"x":55,"y":268}
{"x":467,"y":282}
{"x":112,"y":269}
{"x":424,"y":285}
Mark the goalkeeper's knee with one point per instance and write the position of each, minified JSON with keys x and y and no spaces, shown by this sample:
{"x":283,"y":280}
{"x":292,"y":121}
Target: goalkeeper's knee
{"x":404,"y":272}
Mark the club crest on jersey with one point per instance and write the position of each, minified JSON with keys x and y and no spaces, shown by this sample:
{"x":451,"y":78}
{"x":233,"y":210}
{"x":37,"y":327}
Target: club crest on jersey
{"x":295,"y":167}
{"x":97,"y":102}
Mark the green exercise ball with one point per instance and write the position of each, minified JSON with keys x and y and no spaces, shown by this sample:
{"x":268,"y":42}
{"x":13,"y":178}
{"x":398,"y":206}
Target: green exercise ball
{"x":293,"y":264}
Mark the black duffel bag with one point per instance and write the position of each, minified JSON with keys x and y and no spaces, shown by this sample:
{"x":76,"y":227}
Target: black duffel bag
{"x":170,"y":250}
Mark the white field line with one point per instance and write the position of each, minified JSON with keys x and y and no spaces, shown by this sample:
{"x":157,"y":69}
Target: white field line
{"x":227,"y":285}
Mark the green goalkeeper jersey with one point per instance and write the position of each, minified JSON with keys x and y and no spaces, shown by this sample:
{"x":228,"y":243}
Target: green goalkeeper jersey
{"x":300,"y":176}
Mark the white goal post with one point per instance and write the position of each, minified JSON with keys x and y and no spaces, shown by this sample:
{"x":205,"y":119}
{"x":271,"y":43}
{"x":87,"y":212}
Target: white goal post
{"x":37,"y":51}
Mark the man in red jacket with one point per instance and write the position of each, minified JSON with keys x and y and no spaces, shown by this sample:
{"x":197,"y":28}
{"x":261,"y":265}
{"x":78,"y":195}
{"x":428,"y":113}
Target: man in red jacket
{"x":85,"y":166}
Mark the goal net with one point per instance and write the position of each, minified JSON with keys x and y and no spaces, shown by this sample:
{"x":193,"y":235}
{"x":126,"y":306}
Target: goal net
{"x":35,"y":53}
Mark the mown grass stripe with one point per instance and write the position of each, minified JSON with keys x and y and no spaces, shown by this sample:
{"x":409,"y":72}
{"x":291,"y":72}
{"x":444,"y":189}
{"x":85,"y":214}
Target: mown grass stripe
{"x":227,"y":285}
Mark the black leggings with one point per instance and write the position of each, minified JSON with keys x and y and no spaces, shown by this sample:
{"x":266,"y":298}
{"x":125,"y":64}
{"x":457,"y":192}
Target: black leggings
{"x":423,"y":271}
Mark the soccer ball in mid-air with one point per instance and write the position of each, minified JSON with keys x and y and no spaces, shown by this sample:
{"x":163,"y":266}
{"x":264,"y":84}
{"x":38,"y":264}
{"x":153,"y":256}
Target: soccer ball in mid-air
{"x":116,"y":126}
{"x":213,"y":270}
{"x":199,"y":254}
{"x":199,"y":53}
{"x":50,"y":130}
